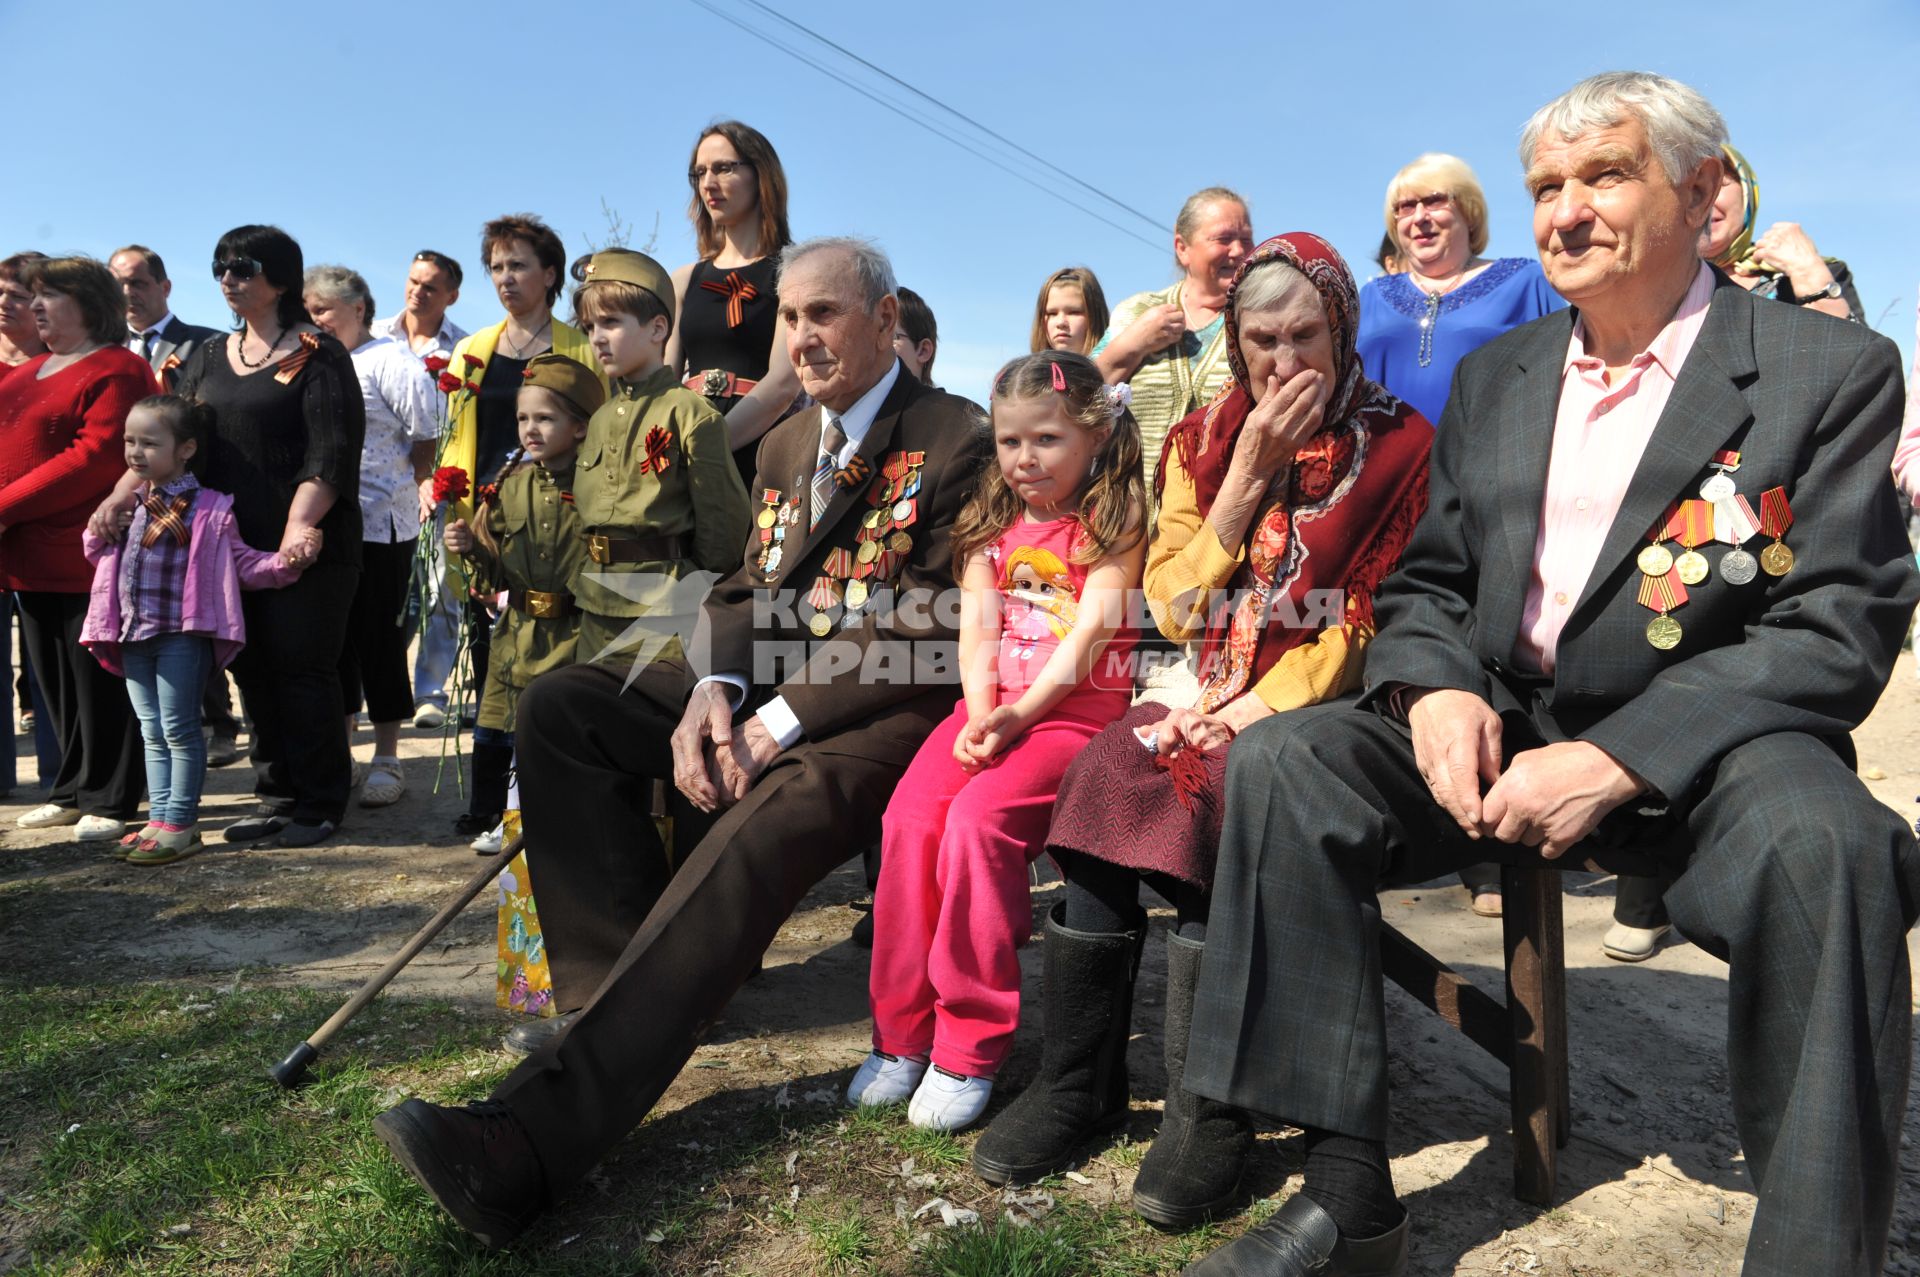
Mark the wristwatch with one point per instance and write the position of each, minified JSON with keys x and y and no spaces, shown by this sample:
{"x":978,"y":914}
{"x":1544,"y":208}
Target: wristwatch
{"x":1832,"y":292}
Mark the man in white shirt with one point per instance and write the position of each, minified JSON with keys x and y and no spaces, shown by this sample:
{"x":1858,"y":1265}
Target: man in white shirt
{"x":786,"y":756}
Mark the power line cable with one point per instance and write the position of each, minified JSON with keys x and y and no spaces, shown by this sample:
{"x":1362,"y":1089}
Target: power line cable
{"x":996,"y":161}
{"x":1045,"y":163}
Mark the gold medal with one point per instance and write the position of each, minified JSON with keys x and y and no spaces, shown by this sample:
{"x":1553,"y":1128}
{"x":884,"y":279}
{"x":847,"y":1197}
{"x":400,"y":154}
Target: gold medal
{"x":821,"y":625}
{"x":767,"y":518}
{"x":1777,"y":559}
{"x":856,"y":593}
{"x":1663,"y":632}
{"x":1656,"y":560}
{"x":869,"y":551}
{"x":899,"y":543}
{"x":1692,"y":567}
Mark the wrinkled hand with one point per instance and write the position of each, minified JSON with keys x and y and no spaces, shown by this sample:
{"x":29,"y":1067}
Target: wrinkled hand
{"x":1286,"y":417}
{"x":1185,"y":729}
{"x":111,"y":521}
{"x":1456,"y":745}
{"x":696,"y":769}
{"x":752,"y":749}
{"x":1788,"y":249}
{"x":985,"y":735}
{"x":300,"y":546}
{"x":1553,"y":797}
{"x":457,"y":537}
{"x":1157,"y":328}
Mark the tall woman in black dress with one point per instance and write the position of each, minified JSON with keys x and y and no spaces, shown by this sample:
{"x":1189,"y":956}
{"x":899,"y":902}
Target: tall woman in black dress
{"x":288,"y":428}
{"x":725,"y":343}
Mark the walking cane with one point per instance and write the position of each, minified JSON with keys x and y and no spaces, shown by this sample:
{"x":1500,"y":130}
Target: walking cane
{"x":290,"y":1071}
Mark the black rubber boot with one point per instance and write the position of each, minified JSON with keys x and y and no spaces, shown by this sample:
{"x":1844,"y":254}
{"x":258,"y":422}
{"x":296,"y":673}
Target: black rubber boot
{"x":1193,"y":1169}
{"x":1081,"y":1089}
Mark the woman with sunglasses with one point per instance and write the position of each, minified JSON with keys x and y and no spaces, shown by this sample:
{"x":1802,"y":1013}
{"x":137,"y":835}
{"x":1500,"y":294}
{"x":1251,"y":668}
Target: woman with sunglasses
{"x":1445,"y":302}
{"x":287,"y":433}
{"x":725,"y":344}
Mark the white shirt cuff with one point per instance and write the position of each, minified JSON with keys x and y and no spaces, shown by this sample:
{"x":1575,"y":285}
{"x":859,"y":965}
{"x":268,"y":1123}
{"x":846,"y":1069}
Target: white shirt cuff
{"x":736,"y":687}
{"x":779,"y":720}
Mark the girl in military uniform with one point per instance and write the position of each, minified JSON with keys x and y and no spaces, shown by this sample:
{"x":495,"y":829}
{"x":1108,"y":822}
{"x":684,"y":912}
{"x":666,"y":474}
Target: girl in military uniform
{"x":526,"y":541}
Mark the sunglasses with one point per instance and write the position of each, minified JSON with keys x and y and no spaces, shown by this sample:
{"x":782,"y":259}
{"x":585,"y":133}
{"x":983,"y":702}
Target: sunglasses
{"x":241,"y":268}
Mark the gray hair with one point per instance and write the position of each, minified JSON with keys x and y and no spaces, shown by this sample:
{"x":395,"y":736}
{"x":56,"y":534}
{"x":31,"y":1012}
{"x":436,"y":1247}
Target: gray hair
{"x":337,"y":283}
{"x":1187,"y":221}
{"x":1266,"y":286}
{"x":871,"y":269}
{"x":1682,"y":127}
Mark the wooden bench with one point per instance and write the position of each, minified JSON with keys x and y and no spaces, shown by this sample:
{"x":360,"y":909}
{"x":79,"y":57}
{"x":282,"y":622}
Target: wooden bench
{"x":1529,"y":1033}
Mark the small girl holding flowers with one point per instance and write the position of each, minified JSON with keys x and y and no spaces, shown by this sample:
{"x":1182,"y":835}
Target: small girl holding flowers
{"x":1047,"y":552}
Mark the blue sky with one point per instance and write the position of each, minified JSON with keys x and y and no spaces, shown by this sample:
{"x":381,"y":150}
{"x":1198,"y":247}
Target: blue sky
{"x":369,"y":132}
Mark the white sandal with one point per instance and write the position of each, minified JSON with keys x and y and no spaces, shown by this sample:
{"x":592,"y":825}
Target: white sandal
{"x":384,"y":784}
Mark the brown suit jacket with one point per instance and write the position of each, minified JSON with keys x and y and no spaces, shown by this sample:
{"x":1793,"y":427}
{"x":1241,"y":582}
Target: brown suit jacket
{"x":886,"y":665}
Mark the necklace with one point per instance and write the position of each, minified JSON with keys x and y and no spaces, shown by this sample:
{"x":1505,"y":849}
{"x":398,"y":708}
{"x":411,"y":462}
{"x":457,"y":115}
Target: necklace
{"x":520,"y":351}
{"x":248,"y":363}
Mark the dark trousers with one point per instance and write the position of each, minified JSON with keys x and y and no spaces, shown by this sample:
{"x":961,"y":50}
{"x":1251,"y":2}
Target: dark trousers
{"x":373,"y":659}
{"x":102,"y":765}
{"x":660,"y":962}
{"x":1797,"y":878}
{"x":216,"y":707}
{"x":289,"y":673}
{"x":1640,"y":901}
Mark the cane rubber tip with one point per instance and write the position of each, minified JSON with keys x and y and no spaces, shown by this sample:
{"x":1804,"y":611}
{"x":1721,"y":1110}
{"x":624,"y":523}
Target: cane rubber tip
{"x":290,"y":1071}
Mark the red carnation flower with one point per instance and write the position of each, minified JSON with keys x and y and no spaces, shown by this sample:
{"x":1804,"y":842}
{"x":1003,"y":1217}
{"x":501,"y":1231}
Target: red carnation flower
{"x":449,"y":484}
{"x":472,"y":387}
{"x":449,"y":383}
{"x":436,"y":363}
{"x":473,"y":363}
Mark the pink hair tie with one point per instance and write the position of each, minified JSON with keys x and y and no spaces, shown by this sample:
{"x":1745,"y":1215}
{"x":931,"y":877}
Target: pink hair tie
{"x":1059,"y":377}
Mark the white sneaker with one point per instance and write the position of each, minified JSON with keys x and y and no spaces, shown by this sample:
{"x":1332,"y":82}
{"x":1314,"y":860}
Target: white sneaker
{"x":491,"y":841}
{"x":885,"y":1079}
{"x":50,"y":816}
{"x":98,"y":828}
{"x":948,"y":1101}
{"x":1632,"y":944}
{"x":429,"y":716}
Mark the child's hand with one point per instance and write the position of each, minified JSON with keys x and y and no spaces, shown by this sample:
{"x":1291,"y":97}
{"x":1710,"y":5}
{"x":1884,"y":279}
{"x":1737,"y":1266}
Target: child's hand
{"x":458,"y":537}
{"x":987,"y":735}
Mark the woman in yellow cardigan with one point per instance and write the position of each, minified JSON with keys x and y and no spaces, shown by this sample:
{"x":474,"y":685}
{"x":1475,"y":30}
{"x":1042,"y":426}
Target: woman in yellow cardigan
{"x":527,"y":264}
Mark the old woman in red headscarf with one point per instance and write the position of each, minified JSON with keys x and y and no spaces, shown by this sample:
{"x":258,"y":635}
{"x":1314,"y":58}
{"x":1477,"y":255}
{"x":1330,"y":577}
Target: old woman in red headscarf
{"x":1283,"y":504}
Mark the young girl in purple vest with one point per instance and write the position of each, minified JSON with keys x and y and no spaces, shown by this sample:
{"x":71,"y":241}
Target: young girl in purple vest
{"x":165,"y":612}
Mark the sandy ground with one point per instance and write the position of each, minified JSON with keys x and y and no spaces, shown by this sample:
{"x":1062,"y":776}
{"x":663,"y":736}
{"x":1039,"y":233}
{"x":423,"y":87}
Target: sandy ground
{"x":1652,"y":1182}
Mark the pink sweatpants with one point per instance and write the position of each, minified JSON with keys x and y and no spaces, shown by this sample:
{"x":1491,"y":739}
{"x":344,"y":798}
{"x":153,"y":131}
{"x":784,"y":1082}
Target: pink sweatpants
{"x":952,"y":906}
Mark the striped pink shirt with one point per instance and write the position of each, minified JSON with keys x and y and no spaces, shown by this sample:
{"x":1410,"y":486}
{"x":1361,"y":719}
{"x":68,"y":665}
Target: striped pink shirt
{"x":1599,"y":433}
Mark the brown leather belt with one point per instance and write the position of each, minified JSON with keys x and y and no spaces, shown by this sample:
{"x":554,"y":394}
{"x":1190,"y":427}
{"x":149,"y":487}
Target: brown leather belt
{"x":543,"y":604}
{"x":605,"y":549}
{"x":717,"y":383}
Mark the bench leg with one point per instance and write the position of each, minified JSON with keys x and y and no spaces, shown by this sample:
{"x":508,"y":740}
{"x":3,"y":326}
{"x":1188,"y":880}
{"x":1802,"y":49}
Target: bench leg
{"x":1536,"y":1006}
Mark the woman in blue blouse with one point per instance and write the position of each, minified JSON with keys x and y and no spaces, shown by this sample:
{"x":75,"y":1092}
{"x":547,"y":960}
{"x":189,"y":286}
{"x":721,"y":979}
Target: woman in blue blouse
{"x":1448,"y":301}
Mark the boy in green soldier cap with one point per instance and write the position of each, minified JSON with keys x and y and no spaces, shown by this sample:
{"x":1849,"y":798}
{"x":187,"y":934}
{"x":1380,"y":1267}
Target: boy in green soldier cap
{"x":655,"y":487}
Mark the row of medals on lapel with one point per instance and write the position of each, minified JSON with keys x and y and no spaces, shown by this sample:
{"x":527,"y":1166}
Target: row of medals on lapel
{"x":881,"y":542}
{"x":1719,"y":513}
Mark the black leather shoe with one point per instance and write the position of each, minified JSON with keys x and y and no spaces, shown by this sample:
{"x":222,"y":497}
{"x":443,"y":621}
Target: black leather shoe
{"x":476,"y":1161}
{"x":1300,"y":1240}
{"x":262,"y":822}
{"x":531,"y":1034}
{"x":469,"y":823}
{"x":223,"y":750}
{"x":862,"y":933}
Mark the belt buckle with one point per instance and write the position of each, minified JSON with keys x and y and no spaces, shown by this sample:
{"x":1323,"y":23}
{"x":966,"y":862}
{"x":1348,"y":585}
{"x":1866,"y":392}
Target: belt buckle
{"x":598,"y":548}
{"x":714,"y":383}
{"x":542,"y":604}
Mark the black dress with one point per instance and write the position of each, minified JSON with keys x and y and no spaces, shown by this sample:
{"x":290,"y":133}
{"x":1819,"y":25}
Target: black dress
{"x":727,"y":322}
{"x":274,"y":430}
{"x":496,"y":415}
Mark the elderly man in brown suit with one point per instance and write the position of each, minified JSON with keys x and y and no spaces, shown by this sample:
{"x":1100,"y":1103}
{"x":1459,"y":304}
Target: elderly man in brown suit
{"x":824,"y":674}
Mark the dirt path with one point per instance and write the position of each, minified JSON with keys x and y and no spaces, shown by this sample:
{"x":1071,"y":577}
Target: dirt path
{"x":1653,"y":1181}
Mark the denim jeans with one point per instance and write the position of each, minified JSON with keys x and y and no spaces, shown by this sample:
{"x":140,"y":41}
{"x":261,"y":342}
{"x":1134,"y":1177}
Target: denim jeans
{"x":434,"y":661}
{"x":166,"y":678}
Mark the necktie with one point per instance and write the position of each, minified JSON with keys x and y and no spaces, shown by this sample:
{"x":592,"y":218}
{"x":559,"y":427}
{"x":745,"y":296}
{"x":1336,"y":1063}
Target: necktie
{"x":144,"y":344}
{"x":832,"y":439}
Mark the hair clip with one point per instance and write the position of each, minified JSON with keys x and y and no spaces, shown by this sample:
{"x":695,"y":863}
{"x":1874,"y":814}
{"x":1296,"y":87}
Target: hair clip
{"x":1119,"y":399}
{"x":1059,"y":376}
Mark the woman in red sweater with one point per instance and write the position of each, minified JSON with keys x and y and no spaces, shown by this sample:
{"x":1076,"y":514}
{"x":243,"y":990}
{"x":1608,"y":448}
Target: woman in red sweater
{"x":62,"y":414}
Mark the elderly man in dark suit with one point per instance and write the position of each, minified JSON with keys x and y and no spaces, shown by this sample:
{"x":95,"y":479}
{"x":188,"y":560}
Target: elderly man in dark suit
{"x":1662,"y":575}
{"x":816,"y":695}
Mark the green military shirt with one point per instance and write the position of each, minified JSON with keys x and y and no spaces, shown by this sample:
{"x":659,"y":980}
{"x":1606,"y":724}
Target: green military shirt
{"x":536,"y":532}
{"x":655,"y":462}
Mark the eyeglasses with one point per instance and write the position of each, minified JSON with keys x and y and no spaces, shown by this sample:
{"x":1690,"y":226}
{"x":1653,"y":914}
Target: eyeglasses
{"x":241,"y":268}
{"x":719,"y":168}
{"x":1433,"y":203}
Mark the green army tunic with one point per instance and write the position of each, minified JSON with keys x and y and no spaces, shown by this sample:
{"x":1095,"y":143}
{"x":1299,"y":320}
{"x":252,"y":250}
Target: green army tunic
{"x":654,"y":465}
{"x":534,"y":525}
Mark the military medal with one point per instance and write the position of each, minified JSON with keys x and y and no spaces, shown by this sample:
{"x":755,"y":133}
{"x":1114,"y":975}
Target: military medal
{"x":1663,"y":593}
{"x":899,"y":543}
{"x":821,"y":598}
{"x":856,"y":594}
{"x":1696,"y":525}
{"x":773,"y":559}
{"x":1775,"y":518}
{"x":869,"y":551}
{"x":1656,"y":559}
{"x":1737,"y":567}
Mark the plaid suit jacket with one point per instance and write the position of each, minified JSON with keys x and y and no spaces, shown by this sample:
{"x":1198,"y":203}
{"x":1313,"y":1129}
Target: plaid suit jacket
{"x":1812,"y":404}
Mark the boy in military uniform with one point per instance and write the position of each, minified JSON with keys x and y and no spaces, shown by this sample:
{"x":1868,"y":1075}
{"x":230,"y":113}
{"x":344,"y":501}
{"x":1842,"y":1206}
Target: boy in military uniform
{"x":655,"y":487}
{"x":527,"y":541}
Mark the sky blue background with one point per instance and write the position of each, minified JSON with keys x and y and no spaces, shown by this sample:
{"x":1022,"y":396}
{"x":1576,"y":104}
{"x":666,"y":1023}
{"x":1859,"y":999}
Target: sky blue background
{"x":372,"y":130}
